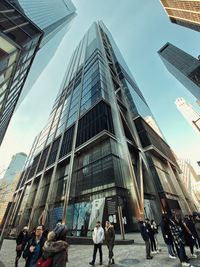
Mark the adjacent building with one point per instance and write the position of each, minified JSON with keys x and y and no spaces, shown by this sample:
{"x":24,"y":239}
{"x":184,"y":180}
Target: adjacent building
{"x":188,"y":112}
{"x":191,"y":181}
{"x":184,"y":13}
{"x":97,"y":158}
{"x":16,"y":165}
{"x":25,"y":28}
{"x":7,"y":189}
{"x":184,"y":67}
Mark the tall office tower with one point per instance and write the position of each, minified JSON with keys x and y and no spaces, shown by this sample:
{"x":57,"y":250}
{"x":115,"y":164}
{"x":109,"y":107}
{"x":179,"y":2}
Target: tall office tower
{"x":184,"y":67}
{"x":97,"y":158}
{"x":20,"y":40}
{"x":16,"y":165}
{"x":184,"y":13}
{"x":192,"y":116}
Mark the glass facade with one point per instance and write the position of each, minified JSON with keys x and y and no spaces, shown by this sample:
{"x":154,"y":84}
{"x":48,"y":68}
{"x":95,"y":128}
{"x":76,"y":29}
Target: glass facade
{"x":183,"y":66}
{"x":184,"y":13}
{"x":91,"y":156}
{"x":49,"y":16}
{"x":20,"y":39}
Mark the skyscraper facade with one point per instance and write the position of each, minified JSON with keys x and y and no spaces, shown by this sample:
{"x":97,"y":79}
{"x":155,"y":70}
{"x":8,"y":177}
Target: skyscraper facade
{"x":184,"y":67}
{"x":184,"y":13}
{"x":15,"y":166}
{"x":20,"y":40}
{"x":97,"y":158}
{"x":188,"y":112}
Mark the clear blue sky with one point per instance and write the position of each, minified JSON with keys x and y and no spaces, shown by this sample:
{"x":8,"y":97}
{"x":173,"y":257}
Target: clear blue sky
{"x":140,"y":28}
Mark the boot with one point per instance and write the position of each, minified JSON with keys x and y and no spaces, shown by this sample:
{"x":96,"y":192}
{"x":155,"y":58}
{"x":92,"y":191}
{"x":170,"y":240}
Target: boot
{"x":113,"y":262}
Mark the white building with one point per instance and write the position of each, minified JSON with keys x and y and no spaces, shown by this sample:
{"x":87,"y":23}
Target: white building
{"x":188,"y":112}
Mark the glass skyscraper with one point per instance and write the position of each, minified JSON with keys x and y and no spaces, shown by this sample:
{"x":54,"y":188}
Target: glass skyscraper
{"x":184,"y":13}
{"x":184,"y":67}
{"x":96,"y":157}
{"x":21,"y":37}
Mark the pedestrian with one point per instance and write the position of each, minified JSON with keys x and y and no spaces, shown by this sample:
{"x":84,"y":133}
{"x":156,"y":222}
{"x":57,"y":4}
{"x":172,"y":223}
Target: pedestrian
{"x":192,"y":228}
{"x":178,"y":237}
{"x":167,"y":236}
{"x":145,"y":235}
{"x":196,"y":220}
{"x":21,"y":241}
{"x":152,"y":236}
{"x":33,"y":250}
{"x":189,"y":238}
{"x":98,"y":237}
{"x":154,"y":226}
{"x":110,"y":241}
{"x":55,"y":250}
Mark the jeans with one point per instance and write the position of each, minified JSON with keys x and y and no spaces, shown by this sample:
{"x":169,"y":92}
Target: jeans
{"x":181,"y":253}
{"x":147,"y":244}
{"x":110,"y":251}
{"x":96,"y":247}
{"x":153,"y":243}
{"x":170,"y":250}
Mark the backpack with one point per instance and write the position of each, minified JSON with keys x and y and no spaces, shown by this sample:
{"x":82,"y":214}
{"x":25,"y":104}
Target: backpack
{"x":44,"y":263}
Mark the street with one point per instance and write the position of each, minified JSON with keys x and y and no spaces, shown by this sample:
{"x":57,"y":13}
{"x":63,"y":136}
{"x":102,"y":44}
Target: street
{"x":125,"y":255}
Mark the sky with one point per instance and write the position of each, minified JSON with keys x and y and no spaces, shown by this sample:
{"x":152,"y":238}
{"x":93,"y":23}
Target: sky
{"x":140,"y":28}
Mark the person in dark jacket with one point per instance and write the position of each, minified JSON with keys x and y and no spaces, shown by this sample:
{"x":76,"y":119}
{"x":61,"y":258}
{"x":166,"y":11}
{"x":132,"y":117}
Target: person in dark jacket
{"x":151,"y":236}
{"x":33,"y":250}
{"x":189,"y":238}
{"x":21,"y":241}
{"x":192,"y":228}
{"x":196,"y":220}
{"x":110,"y":241}
{"x":145,"y":235}
{"x":167,"y":236}
{"x":56,"y":246}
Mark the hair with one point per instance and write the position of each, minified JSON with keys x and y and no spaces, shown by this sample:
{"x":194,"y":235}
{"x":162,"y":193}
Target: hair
{"x":98,"y":222}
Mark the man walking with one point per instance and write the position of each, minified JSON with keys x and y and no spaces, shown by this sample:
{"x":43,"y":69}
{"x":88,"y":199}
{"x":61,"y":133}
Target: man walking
{"x":145,"y":235}
{"x":98,"y":236}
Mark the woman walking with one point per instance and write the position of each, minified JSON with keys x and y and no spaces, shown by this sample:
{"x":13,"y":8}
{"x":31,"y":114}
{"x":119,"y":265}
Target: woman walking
{"x":155,"y":231}
{"x":110,"y":241}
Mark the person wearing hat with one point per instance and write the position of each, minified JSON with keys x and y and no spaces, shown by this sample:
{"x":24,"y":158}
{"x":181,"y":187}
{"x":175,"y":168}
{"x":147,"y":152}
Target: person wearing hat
{"x":55,"y":249}
{"x":21,"y":241}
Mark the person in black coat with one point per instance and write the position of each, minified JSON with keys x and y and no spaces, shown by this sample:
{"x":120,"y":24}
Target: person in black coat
{"x":33,"y":250}
{"x":151,"y":236}
{"x":145,"y":235}
{"x":21,"y":241}
{"x":167,"y":236}
{"x":110,"y":241}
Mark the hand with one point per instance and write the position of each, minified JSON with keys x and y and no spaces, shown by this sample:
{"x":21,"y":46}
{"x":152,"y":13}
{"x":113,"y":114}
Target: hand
{"x":166,"y":236}
{"x":32,"y":248}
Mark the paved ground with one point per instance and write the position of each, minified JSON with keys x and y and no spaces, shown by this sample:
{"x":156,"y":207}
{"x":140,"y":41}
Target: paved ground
{"x":125,"y":255}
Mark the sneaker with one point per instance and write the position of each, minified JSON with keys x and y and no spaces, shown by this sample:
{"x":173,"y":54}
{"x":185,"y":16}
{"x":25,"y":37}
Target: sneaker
{"x":185,"y":264}
{"x":91,"y":263}
{"x":149,"y":258}
{"x":154,"y":252}
{"x":193,"y":256}
{"x":172,"y":257}
{"x":113,"y":261}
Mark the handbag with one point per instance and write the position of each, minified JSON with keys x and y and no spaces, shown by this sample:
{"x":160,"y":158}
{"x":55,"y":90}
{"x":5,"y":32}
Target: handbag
{"x":19,"y":247}
{"x":44,"y":262}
